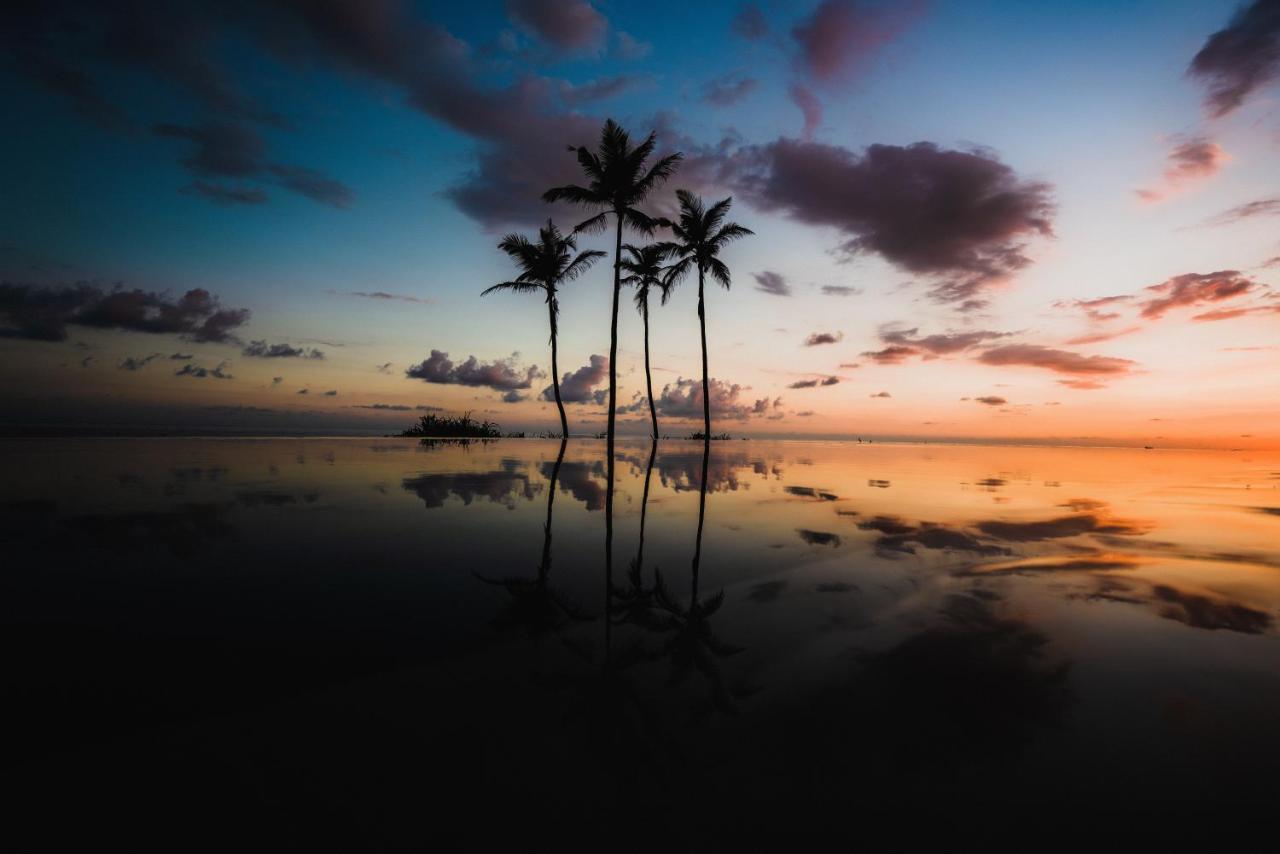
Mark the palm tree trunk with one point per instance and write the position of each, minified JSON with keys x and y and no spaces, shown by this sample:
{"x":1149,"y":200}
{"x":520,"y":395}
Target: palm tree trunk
{"x":648,"y":377}
{"x":613,"y":398}
{"x":555,"y":369}
{"x":706,"y":391}
{"x":613,"y":330}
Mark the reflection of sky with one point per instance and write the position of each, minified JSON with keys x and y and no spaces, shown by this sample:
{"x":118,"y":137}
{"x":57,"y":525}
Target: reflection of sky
{"x":1087,"y":606}
{"x":1089,"y":97}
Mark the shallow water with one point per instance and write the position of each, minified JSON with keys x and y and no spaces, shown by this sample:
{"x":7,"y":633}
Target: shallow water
{"x":318,"y":635}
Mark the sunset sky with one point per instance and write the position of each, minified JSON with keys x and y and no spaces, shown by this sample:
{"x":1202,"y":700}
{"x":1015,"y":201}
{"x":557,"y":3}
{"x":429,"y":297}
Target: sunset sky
{"x":987,"y":220}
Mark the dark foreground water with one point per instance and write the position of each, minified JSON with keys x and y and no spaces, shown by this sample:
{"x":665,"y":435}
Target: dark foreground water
{"x":377,"y":643}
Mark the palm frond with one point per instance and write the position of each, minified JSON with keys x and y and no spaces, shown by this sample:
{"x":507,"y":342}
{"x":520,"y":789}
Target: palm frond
{"x":594,"y":225}
{"x":730,"y":233}
{"x":659,"y":172}
{"x":574,"y":194}
{"x":718,"y":271}
{"x":518,"y":287}
{"x":581,"y":264}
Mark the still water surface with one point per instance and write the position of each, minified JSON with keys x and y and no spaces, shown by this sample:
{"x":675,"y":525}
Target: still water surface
{"x":384,"y":639}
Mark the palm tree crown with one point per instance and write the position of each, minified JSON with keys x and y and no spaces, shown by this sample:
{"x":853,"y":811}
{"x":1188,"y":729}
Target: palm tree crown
{"x":644,"y":270}
{"x":544,"y":266}
{"x":700,"y":235}
{"x":618,"y":180}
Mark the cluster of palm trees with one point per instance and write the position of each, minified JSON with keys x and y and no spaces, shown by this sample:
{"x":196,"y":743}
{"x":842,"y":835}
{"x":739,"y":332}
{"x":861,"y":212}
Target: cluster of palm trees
{"x":618,"y":182}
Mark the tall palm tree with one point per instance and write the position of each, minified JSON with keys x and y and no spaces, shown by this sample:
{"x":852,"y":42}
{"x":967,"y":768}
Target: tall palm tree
{"x":618,"y":181}
{"x":544,"y":266}
{"x":644,"y":271}
{"x":700,"y":235}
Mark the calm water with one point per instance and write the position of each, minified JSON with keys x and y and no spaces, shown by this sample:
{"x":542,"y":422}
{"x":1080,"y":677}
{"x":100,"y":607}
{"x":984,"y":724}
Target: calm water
{"x":383,"y":639}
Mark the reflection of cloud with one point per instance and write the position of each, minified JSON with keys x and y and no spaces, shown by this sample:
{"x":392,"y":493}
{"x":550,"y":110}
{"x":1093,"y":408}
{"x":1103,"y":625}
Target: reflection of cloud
{"x":819,"y":538}
{"x":585,"y":481}
{"x":500,"y":487}
{"x":1063,"y":526}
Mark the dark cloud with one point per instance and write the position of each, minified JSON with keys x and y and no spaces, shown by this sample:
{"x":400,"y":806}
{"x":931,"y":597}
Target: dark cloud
{"x":137,"y":363}
{"x":728,"y":90}
{"x":226,"y":195}
{"x":840,"y":291}
{"x":578,"y":386}
{"x":905,"y":343}
{"x":500,"y":375}
{"x":389,"y":407}
{"x":683,"y":399}
{"x":313,"y":184}
{"x":815,"y":383}
{"x":1192,"y":289}
{"x":891,"y":355}
{"x":224,"y":149}
{"x":841,"y":34}
{"x":193,"y":370}
{"x":181,"y":357}
{"x":770,"y":282}
{"x":991,"y":400}
{"x":596,"y":90}
{"x":263,"y":350}
{"x":957,"y":216}
{"x":567,"y":25}
{"x":230,"y":150}
{"x":817,"y":338}
{"x":383,"y":295}
{"x":1240,"y":58}
{"x":1098,"y":309}
{"x":43,"y":313}
{"x":810,"y":107}
{"x":750,"y":22}
{"x":1248,"y":210}
{"x":1060,"y":361}
{"x":1189,"y":160}
{"x":881,"y":394}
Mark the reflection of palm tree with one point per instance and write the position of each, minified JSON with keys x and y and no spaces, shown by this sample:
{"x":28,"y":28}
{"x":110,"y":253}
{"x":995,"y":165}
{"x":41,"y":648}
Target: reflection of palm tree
{"x":636,"y":600}
{"x":535,"y":604}
{"x":699,"y":238}
{"x":618,"y":182}
{"x":644,"y":270}
{"x":544,"y":266}
{"x":692,"y":642}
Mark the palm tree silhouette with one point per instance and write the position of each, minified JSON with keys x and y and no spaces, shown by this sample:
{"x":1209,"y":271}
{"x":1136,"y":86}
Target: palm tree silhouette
{"x":644,"y":270}
{"x":700,"y":235}
{"x":618,"y":182}
{"x":535,"y":604}
{"x":544,"y":266}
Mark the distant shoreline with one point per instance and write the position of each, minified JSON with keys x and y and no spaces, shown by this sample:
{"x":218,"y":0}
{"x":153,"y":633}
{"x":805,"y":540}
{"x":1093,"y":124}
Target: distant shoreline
{"x":134,"y":433}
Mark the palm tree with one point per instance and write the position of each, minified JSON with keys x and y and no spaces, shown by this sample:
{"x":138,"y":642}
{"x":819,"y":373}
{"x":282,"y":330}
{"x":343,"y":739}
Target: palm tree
{"x":544,"y":266}
{"x":700,"y":235}
{"x":644,"y":270}
{"x":618,"y":182}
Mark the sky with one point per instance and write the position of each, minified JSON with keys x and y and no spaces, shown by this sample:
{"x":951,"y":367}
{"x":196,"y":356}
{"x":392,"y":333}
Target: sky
{"x":972,"y":220}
